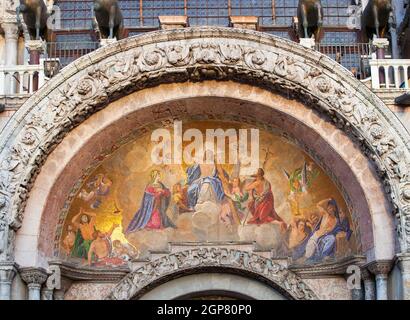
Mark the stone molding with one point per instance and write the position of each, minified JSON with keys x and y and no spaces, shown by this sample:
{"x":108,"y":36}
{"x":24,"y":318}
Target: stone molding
{"x":327,"y":269}
{"x":195,"y":54}
{"x":207,"y":258}
{"x":76,"y":273}
{"x":8,"y":271}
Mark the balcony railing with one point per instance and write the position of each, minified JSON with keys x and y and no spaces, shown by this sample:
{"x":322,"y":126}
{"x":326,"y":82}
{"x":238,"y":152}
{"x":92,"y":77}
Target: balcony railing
{"x":390,"y":73}
{"x":21,"y":79}
{"x":355,"y":57}
{"x":67,"y":52}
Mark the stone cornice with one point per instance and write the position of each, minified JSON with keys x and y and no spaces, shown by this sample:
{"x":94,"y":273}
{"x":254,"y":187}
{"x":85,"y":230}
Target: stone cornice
{"x":76,"y":273}
{"x":327,"y":269}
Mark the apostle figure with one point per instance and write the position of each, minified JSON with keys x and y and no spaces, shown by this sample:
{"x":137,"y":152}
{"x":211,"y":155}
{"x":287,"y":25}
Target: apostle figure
{"x":85,"y":233}
{"x":261,"y":204}
{"x":322,"y":243}
{"x":196,"y":182}
{"x":152,"y":214}
{"x":297,"y":236}
{"x":101,"y":249}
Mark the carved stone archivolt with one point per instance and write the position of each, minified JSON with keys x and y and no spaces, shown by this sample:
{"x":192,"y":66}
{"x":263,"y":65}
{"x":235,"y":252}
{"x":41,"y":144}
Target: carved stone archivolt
{"x":196,"y":54}
{"x":285,"y":281}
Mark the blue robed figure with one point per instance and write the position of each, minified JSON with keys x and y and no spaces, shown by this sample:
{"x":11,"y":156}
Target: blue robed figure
{"x":325,"y":244}
{"x":195,"y":183}
{"x":152,"y":212}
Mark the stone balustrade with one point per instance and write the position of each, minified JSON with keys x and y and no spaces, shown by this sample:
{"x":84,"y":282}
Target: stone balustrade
{"x":20,"y":79}
{"x":390,"y":73}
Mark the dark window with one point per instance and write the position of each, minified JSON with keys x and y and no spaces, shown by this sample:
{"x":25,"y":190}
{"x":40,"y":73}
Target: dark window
{"x":285,"y":10}
{"x":76,"y":15}
{"x":339,"y":37}
{"x":335,"y":12}
{"x":208,"y":12}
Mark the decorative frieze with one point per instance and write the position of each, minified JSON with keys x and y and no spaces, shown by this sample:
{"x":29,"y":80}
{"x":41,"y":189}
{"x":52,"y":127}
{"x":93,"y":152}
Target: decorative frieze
{"x":205,"y":258}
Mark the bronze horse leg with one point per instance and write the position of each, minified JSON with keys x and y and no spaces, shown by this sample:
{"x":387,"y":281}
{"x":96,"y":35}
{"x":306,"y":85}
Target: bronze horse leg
{"x":305,"y":20}
{"x":376,"y":20}
{"x":19,"y":9}
{"x":319,"y":21}
{"x":111,"y":21}
{"x":38,"y":17}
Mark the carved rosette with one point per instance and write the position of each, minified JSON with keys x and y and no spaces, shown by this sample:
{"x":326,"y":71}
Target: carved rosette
{"x":180,"y":262}
{"x":197,"y":54}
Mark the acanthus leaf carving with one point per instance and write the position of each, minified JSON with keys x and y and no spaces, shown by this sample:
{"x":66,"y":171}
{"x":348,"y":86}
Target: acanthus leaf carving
{"x":206,"y":257}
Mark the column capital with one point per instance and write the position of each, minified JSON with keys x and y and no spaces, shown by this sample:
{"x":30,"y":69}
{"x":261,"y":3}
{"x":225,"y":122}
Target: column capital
{"x":36,"y":45}
{"x":33,"y":277}
{"x":403,"y":262}
{"x":11,"y":30}
{"x":380,"y":267}
{"x":381,"y":43}
{"x":8,"y":270}
{"x":173,"y":22}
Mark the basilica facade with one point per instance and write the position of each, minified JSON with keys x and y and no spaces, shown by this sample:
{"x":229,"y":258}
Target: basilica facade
{"x":116,"y":126}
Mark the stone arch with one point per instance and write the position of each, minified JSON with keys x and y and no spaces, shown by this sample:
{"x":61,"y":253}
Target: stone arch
{"x":208,"y":259}
{"x":198,"y":54}
{"x":334,"y":152}
{"x":207,"y":284}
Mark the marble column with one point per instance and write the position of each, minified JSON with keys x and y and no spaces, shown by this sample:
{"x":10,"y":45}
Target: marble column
{"x":381,"y":270}
{"x":357,"y":294}
{"x":8,"y":270}
{"x":47,"y":294}
{"x":403,"y":262}
{"x":11,"y":35}
{"x":369,"y":284}
{"x":34,"y":278}
{"x":35,"y":48}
